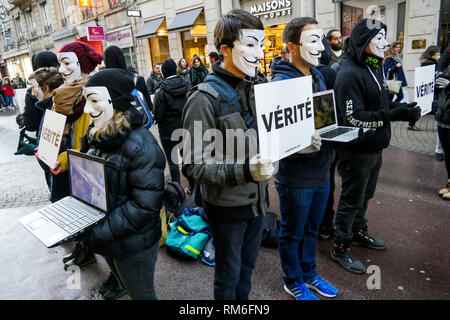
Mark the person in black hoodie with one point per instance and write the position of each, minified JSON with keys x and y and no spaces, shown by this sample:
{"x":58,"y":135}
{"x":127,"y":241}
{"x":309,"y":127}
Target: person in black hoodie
{"x":362,"y":94}
{"x":114,"y":58}
{"x":31,"y":117}
{"x":129,"y":236}
{"x":303,"y":179}
{"x":170,"y":99}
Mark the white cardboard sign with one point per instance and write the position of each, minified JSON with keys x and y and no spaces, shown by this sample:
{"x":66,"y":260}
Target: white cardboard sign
{"x":285,"y":116}
{"x":51,"y":136}
{"x":424,"y":88}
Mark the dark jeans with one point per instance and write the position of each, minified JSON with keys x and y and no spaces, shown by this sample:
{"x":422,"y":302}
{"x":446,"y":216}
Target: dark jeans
{"x":60,"y":187}
{"x":359,"y":180}
{"x":301,"y":211}
{"x":168,"y":145}
{"x":444,"y":137}
{"x":328,"y":218}
{"x":136,"y":272}
{"x":237,"y":246}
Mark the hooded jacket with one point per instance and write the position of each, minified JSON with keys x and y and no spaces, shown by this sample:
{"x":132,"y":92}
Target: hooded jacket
{"x":304,"y":170}
{"x":362,"y":93}
{"x":169,"y":102}
{"x":153,"y":82}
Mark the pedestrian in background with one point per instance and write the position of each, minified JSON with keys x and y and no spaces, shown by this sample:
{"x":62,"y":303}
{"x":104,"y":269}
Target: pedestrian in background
{"x":155,"y":78}
{"x":334,"y":38}
{"x":9,"y":93}
{"x":198,"y":71}
{"x":183,"y":70}
{"x":2,"y":97}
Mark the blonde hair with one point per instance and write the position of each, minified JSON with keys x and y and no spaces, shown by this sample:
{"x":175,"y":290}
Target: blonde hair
{"x":118,"y":124}
{"x":390,"y":53}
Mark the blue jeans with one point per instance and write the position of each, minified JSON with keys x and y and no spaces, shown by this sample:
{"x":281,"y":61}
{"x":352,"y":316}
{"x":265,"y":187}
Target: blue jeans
{"x":302,"y":211}
{"x":9,"y":101}
{"x":237,"y":246}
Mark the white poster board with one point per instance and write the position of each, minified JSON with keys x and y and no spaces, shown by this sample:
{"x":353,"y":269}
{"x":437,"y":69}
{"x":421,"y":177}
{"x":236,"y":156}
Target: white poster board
{"x":285,"y":116}
{"x":51,"y":136}
{"x":424,"y":88}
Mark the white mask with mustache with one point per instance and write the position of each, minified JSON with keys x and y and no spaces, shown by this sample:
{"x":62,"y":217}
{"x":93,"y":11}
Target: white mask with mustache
{"x":69,"y":66}
{"x":379,"y":44}
{"x":311,"y":46}
{"x":98,"y":105}
{"x":247,"y":52}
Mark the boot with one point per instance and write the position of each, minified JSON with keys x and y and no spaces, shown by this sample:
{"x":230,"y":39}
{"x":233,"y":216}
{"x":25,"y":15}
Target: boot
{"x":342,"y":254}
{"x":114,"y":292}
{"x":111,"y":281}
{"x":82,"y":259}
{"x":75,"y":252}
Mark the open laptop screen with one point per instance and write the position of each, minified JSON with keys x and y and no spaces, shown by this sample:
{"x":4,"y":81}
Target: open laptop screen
{"x":87,"y":180}
{"x":324,"y":110}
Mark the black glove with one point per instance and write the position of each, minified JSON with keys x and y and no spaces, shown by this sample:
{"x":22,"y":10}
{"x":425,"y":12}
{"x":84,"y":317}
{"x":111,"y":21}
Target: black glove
{"x":362,"y":136}
{"x":410,"y":105}
{"x":405,"y":113}
{"x":20,"y":119}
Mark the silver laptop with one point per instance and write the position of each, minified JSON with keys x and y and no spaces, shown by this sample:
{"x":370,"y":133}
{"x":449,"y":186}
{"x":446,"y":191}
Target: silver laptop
{"x":325,"y":115}
{"x":63,"y":220}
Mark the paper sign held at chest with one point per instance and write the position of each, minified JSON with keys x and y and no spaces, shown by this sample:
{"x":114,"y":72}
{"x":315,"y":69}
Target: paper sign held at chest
{"x":51,"y":136}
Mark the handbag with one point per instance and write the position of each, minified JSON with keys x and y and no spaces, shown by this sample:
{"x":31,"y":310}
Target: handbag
{"x":394,"y":85}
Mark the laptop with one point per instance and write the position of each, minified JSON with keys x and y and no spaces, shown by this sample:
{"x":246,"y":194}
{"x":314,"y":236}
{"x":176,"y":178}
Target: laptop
{"x":325,"y":116}
{"x":86,"y":206}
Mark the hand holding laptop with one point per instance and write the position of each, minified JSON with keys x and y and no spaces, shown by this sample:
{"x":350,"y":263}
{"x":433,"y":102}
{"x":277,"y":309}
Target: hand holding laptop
{"x":316,"y":143}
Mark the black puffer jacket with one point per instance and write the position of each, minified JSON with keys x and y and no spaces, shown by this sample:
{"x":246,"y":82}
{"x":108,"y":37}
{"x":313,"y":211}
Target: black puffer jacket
{"x":169,"y":103}
{"x":135,"y":174}
{"x":31,"y":116}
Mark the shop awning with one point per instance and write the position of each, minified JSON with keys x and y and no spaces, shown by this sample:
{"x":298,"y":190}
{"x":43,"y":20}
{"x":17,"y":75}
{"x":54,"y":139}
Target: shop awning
{"x":149,"y":28}
{"x":184,"y":19}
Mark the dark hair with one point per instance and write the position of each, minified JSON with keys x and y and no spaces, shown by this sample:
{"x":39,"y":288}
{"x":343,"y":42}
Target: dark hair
{"x":197,"y":58}
{"x":330,"y":33}
{"x":214,"y":54}
{"x":228,"y":28}
{"x":284,"y":52}
{"x":429,"y":53}
{"x":180,"y":67}
{"x":294,"y":29}
{"x":157,"y":64}
{"x":48,"y":76}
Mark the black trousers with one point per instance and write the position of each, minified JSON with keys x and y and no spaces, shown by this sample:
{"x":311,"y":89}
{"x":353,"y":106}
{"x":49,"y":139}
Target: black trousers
{"x":136,"y":272}
{"x":359,"y":180}
{"x":237,"y":246}
{"x":444,"y":137}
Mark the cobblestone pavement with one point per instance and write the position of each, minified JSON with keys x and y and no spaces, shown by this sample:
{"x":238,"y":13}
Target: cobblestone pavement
{"x":418,"y":141}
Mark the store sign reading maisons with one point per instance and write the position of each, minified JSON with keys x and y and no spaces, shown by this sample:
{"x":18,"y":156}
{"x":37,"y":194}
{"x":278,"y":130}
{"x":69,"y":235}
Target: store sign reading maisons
{"x":272,"y":9}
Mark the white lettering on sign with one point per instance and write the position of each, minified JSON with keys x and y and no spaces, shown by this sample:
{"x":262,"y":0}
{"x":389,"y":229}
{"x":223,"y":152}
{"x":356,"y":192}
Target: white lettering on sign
{"x":271,"y":9}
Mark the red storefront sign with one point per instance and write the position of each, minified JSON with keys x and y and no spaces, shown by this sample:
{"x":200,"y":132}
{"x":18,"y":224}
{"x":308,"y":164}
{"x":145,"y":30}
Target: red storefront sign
{"x":95,"y":33}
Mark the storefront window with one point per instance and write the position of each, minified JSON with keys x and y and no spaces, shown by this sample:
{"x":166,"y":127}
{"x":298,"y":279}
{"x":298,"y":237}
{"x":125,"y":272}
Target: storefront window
{"x":128,"y":54}
{"x":194,"y":44}
{"x":350,"y":17}
{"x":272,"y":46}
{"x":159,"y":48}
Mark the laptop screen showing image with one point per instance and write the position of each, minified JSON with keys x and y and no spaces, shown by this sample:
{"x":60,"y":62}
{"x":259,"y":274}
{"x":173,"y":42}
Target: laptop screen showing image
{"x":324,"y":110}
{"x":87,"y":181}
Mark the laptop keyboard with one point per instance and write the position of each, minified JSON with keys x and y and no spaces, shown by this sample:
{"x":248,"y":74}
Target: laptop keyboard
{"x":68,"y":217}
{"x":334,"y":133}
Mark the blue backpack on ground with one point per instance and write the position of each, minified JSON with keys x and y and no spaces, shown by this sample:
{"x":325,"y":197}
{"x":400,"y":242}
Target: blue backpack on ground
{"x":189,"y":234}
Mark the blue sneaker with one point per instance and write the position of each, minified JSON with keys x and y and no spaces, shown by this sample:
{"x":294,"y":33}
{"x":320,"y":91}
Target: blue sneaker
{"x":322,"y":287}
{"x":300,"y":292}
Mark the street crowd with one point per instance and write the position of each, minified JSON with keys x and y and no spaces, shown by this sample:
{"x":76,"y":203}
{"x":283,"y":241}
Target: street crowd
{"x":94,"y":91}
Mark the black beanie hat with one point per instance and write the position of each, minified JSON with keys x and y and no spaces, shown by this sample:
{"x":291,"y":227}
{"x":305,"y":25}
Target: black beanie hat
{"x":119,"y":85}
{"x":169,"y":68}
{"x":44,"y":59}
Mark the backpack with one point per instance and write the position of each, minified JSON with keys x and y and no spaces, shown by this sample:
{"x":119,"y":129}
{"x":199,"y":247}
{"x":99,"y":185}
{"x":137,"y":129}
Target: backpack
{"x":189,"y":234}
{"x":140,"y":104}
{"x":271,"y":229}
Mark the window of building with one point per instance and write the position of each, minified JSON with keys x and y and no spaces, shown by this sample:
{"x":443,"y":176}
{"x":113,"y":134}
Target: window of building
{"x":159,"y":44}
{"x":401,"y":19}
{"x":64,"y":15}
{"x":194,"y":41}
{"x":444,"y":34}
{"x":350,"y":17}
{"x":44,"y":11}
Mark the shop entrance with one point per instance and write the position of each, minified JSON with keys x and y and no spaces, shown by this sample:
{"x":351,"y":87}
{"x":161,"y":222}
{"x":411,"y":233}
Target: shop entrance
{"x":272,"y":46}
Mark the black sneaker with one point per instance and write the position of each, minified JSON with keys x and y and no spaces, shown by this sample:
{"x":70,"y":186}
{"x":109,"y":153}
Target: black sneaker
{"x":114,"y":292}
{"x":342,"y":254}
{"x":107,"y":284}
{"x":363,"y":239}
{"x":325,"y":233}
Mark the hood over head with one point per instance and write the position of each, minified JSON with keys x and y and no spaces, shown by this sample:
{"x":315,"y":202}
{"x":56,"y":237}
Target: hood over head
{"x":175,"y":86}
{"x":114,"y":58}
{"x":364,"y":31}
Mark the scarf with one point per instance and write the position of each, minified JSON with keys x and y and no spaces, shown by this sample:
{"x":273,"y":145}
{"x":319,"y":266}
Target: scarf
{"x":372,"y":60}
{"x":67,"y":97}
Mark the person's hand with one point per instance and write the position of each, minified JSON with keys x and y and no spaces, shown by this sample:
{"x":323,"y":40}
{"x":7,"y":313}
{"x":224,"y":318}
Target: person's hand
{"x":405,"y":113}
{"x":399,"y":65}
{"x":316,"y":143}
{"x":362,"y":136}
{"x":442,"y":83}
{"x":411,"y":105}
{"x":261,"y":169}
{"x":36,"y":153}
{"x":57,"y":168}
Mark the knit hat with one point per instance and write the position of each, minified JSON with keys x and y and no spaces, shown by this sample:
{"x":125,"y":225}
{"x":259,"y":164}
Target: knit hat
{"x":87,"y":56}
{"x":114,"y":58}
{"x":44,"y":59}
{"x":169,"y":68}
{"x":119,"y":85}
